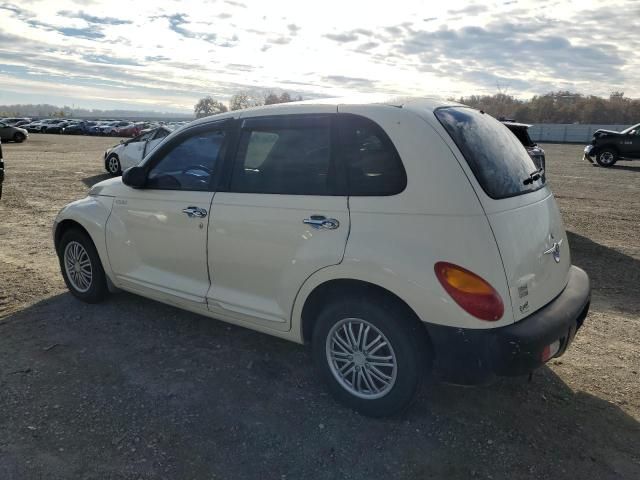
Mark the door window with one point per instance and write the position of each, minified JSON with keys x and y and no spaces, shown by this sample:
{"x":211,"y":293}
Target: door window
{"x":372,"y":163}
{"x":287,"y":155}
{"x":189,"y":164}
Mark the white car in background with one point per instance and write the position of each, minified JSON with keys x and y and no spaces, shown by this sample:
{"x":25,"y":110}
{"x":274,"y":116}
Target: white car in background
{"x":130,"y":152}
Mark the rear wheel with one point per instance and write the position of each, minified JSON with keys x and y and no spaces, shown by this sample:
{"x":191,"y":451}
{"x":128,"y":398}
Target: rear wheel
{"x":19,"y":137}
{"x":371,"y":355}
{"x":113,"y":165}
{"x":81,"y":267}
{"x":607,"y":157}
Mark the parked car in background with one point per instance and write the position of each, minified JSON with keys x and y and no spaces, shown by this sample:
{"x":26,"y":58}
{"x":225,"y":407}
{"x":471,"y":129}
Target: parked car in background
{"x":396,"y":238}
{"x":13,"y":121}
{"x":78,"y":128}
{"x":128,"y":130}
{"x":51,"y":126}
{"x":14,"y":134}
{"x":130,"y":152}
{"x":112,"y":128}
{"x":521,"y":130}
{"x":608,"y":146}
{"x":35,"y":126}
{"x":57,"y":127}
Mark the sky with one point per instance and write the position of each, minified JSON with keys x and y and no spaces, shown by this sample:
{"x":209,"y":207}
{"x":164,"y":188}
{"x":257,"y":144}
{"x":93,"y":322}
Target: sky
{"x":165,"y":55}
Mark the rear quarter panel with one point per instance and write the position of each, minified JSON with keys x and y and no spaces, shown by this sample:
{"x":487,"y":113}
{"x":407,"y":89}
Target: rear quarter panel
{"x":395,"y":241}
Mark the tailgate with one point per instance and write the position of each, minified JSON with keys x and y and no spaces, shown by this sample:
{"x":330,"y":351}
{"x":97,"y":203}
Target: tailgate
{"x":535,"y":253}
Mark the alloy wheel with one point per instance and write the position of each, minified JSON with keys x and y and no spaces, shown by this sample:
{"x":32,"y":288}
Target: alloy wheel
{"x":361,"y":358}
{"x":77,"y":265}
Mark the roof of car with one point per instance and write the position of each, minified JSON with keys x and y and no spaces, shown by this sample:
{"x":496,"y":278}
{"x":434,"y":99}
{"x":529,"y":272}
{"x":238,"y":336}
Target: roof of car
{"x":421,"y":104}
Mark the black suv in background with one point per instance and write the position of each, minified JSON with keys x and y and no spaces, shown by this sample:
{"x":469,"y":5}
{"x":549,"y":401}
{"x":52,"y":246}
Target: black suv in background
{"x":521,"y":130}
{"x":607,"y":146}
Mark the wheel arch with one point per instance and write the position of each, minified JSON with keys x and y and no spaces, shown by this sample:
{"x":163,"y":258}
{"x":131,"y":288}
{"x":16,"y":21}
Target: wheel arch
{"x":342,"y":287}
{"x":608,"y":146}
{"x":66,"y":225}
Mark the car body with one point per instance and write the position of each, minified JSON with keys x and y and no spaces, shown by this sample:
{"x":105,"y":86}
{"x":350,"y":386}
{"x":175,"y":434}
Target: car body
{"x":12,"y":134}
{"x":128,"y":130}
{"x":13,"y":121}
{"x":36,"y":126}
{"x":57,"y":127}
{"x":113,"y":128}
{"x":390,"y":235}
{"x":78,"y":128}
{"x":521,"y":130}
{"x":128,"y":153}
{"x":608,"y":146}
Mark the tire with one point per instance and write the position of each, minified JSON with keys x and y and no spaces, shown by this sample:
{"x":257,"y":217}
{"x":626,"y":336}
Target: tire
{"x":409,"y":353}
{"x":76,"y":244}
{"x":19,"y":137}
{"x":607,"y":157}
{"x":112,"y":164}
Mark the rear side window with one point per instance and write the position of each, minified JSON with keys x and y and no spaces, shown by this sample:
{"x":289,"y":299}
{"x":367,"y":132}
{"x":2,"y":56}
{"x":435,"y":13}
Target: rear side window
{"x":372,"y":163}
{"x":283,"y":155}
{"x":498,"y":160}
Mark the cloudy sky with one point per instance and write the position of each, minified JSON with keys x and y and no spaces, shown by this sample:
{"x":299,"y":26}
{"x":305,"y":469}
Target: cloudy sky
{"x":164,"y":55}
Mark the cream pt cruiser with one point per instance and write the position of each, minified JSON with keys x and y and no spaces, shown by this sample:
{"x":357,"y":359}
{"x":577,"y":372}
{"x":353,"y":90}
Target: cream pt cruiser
{"x":397,"y":238}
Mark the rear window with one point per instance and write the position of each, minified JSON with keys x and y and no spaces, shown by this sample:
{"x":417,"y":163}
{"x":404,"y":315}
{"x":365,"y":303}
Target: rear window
{"x":498,"y":160}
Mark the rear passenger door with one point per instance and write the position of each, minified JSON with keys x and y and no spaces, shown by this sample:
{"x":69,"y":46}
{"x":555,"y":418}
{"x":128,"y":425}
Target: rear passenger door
{"x":282,"y":218}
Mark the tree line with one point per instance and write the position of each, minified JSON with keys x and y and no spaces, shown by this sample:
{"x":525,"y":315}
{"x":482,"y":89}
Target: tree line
{"x":559,"y":107}
{"x":209,"y":106}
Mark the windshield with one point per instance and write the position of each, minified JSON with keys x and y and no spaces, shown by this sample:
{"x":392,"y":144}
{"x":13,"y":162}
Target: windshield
{"x":633,"y":127}
{"x":498,"y":160}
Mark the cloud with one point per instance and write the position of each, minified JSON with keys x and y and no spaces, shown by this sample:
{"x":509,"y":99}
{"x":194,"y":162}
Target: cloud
{"x":88,"y":33}
{"x":93,"y":19}
{"x":342,"y":37}
{"x":349,"y":81}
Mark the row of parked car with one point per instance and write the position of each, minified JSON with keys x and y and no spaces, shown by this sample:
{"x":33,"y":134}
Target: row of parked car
{"x":115,"y":128}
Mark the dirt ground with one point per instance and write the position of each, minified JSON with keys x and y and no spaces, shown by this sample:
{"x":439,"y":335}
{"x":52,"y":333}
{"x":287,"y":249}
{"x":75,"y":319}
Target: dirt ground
{"x":134,"y":389}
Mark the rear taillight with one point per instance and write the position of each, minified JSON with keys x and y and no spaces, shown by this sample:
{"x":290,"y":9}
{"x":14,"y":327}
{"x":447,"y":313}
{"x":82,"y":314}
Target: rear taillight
{"x":475,"y":295}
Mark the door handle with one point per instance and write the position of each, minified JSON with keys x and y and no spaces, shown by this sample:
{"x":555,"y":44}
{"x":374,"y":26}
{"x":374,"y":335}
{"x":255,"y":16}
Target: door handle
{"x":320,"y":221}
{"x":195,"y":212}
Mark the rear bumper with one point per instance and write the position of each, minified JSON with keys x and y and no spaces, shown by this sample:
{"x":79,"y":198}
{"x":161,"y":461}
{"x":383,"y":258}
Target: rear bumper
{"x":470,"y":356}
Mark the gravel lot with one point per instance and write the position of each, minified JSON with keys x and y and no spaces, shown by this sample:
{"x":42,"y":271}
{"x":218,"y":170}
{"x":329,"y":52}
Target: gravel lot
{"x":133,"y":389}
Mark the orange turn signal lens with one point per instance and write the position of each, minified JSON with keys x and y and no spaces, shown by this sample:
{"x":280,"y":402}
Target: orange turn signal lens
{"x":474,"y":294}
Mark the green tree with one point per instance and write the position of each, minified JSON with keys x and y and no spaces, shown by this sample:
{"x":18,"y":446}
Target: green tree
{"x":208,"y":106}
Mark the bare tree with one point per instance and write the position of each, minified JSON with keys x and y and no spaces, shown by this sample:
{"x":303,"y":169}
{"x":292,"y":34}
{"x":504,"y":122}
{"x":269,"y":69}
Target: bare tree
{"x":245,"y":99}
{"x":208,"y":106}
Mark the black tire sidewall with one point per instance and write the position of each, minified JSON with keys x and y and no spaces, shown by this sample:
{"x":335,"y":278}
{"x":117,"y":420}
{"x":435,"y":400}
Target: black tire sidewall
{"x":607,"y":150}
{"x":98,"y":289}
{"x":19,"y":137}
{"x":407,"y":338}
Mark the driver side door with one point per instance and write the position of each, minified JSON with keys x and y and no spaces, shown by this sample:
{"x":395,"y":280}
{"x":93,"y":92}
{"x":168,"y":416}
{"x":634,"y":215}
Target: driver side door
{"x":157,"y":235}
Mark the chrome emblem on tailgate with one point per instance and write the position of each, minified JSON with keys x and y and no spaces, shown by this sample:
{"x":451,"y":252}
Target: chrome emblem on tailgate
{"x":554,"y":250}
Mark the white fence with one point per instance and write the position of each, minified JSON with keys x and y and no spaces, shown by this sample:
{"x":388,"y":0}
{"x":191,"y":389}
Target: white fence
{"x":568,"y":132}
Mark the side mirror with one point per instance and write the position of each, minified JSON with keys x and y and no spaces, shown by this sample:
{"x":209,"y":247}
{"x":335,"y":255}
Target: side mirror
{"x":121,"y":140}
{"x":135,"y":177}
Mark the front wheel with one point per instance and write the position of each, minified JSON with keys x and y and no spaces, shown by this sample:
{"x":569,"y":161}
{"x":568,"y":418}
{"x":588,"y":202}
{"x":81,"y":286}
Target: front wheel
{"x":607,"y":157}
{"x":113,"y":165}
{"x":372,"y":354}
{"x":19,"y":137}
{"x":81,"y":267}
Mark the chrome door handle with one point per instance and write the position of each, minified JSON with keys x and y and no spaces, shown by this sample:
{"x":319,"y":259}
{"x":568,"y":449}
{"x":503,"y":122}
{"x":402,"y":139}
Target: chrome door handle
{"x":195,"y":212}
{"x":320,"y":221}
